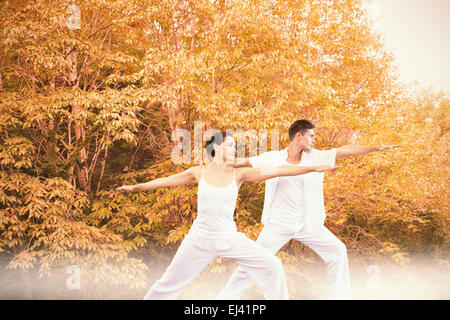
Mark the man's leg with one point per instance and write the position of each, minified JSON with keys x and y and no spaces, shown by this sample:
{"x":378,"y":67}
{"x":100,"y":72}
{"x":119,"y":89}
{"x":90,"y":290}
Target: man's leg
{"x":188,"y":262}
{"x":260,"y":265}
{"x":272,"y":239}
{"x":334,"y":253}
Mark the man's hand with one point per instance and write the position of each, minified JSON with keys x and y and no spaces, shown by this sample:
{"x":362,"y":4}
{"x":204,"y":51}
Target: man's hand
{"x":388,"y":147}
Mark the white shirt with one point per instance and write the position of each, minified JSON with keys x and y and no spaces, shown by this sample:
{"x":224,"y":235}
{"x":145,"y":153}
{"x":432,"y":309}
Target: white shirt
{"x":313,"y":183}
{"x":289,"y":207}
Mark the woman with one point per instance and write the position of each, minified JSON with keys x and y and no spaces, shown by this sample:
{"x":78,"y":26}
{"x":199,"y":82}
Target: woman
{"x":213,"y":233}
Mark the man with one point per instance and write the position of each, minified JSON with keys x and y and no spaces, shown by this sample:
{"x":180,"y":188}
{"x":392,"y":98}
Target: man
{"x":294,"y":209}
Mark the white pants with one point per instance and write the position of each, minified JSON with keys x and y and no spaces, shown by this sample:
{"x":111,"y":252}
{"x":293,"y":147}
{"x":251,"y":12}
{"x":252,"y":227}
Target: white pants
{"x":332,"y":251}
{"x":195,"y":253}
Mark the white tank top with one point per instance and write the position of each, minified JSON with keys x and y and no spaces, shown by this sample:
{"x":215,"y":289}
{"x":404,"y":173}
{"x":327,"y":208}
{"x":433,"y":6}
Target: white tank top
{"x":215,"y":207}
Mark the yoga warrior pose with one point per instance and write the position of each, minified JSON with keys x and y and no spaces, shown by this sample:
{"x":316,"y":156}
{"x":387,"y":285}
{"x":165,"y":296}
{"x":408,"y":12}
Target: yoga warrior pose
{"x":213,"y":233}
{"x":294,"y":209}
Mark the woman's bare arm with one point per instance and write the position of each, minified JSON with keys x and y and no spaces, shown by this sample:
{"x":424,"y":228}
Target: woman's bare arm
{"x":241,"y":162}
{"x":174,"y":180}
{"x":261,"y":174}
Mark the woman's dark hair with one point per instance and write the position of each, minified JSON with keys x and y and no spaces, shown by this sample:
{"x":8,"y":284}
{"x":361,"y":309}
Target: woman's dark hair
{"x":299,"y":126}
{"x":216,"y":138}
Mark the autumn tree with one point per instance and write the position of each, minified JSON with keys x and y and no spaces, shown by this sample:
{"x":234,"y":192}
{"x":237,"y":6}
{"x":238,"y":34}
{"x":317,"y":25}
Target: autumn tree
{"x":92,"y":92}
{"x":63,"y":106}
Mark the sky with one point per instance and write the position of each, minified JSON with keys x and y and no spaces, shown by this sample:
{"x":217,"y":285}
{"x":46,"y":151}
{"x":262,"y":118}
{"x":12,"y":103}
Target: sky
{"x":418,"y":33}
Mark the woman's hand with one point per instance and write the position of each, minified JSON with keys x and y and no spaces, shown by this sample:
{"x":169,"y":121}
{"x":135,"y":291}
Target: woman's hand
{"x":125,"y":188}
{"x":174,"y":180}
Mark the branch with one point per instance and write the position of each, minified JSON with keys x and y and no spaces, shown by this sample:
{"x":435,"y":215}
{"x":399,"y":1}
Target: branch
{"x":101,"y":173}
{"x":98,"y":30}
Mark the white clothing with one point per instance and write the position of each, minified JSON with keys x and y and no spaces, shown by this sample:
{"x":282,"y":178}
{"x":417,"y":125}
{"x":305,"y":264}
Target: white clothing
{"x":213,"y":234}
{"x":310,"y":230}
{"x":215,"y":207}
{"x":288,"y":207}
{"x":314,"y":204}
{"x":332,"y":251}
{"x":196,"y":253}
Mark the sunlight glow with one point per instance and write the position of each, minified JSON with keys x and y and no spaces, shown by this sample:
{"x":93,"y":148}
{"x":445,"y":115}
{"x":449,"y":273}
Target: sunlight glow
{"x":417,"y":33}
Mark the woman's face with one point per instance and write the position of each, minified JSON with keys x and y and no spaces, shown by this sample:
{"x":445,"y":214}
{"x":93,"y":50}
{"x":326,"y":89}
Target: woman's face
{"x":227,"y":150}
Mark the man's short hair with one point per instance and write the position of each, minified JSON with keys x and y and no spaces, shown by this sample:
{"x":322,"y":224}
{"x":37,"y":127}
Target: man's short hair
{"x":299,"y":126}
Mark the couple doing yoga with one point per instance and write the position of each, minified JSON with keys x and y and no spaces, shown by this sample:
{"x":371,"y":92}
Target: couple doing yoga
{"x":293,"y":209}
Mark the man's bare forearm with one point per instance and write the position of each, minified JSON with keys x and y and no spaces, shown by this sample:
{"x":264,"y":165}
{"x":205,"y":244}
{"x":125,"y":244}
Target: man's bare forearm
{"x":359,"y":150}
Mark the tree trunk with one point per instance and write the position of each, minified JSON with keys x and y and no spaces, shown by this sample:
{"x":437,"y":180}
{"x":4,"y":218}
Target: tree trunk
{"x":80,"y":134}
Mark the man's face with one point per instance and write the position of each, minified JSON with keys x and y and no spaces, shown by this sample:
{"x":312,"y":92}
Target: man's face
{"x":305,"y":141}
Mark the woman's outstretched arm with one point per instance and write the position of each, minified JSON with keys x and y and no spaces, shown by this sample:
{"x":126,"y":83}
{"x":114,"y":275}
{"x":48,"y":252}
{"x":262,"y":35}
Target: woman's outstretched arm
{"x":174,"y":180}
{"x":261,"y":174}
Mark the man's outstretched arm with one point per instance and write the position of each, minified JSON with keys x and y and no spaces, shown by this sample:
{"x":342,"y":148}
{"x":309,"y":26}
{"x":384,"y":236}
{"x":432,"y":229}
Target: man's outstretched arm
{"x":359,"y":150}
